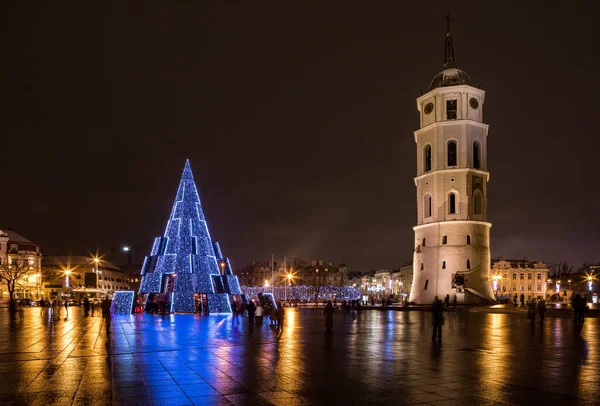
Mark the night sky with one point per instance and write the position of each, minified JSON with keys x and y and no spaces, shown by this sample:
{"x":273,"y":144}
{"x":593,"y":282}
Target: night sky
{"x":298,"y":120}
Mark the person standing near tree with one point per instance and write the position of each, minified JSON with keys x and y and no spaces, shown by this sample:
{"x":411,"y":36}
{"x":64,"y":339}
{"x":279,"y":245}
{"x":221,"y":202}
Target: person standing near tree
{"x":251,"y":310}
{"x":106,"y":307}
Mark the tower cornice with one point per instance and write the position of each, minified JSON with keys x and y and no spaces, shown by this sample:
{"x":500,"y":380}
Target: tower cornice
{"x":452,"y":123}
{"x":437,"y":223}
{"x":453,"y":170}
{"x":451,"y":89}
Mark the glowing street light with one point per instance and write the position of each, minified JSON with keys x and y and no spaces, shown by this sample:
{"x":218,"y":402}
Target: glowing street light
{"x":126,"y":249}
{"x":266,"y":283}
{"x":222,"y":264}
{"x":67,"y":273}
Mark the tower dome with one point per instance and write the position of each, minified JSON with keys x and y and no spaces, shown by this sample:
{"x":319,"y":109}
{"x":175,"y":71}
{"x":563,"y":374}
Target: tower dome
{"x":451,"y":75}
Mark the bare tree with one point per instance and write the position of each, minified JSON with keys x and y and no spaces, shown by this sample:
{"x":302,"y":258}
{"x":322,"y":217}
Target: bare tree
{"x":560,"y":270}
{"x":10,"y":275}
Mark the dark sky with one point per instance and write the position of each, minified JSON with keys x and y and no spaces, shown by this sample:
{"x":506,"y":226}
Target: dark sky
{"x":298,"y":119}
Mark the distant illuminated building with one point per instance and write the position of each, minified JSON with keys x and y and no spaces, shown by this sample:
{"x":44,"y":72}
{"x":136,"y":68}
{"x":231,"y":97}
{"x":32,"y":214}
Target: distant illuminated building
{"x":520,"y":276}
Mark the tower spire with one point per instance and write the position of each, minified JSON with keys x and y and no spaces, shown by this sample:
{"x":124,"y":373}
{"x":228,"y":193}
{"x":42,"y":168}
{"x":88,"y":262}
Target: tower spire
{"x":448,"y":47}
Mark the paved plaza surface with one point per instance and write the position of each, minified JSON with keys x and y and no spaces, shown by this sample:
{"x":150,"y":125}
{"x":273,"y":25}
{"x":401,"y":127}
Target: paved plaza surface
{"x":374,"y":357}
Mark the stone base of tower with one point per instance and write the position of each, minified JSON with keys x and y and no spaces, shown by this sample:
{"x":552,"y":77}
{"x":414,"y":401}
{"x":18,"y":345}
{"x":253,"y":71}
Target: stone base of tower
{"x":452,"y":258}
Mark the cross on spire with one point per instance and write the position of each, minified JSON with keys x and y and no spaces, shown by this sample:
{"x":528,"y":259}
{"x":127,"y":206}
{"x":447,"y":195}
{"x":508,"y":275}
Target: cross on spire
{"x":448,"y":21}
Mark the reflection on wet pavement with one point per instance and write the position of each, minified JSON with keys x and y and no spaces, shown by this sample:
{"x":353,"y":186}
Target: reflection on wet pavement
{"x":373,"y":357}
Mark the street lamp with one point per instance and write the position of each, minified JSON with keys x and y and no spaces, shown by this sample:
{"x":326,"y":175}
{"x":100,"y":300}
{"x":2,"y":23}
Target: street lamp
{"x":289,"y":281}
{"x":67,"y":273}
{"x":222,"y":267}
{"x":496,"y":278}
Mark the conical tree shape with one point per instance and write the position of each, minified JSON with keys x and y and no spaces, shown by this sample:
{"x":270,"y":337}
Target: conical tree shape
{"x":183,"y":261}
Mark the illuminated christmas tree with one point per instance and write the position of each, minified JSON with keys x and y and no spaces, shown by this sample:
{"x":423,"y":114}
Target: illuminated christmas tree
{"x":185,"y":261}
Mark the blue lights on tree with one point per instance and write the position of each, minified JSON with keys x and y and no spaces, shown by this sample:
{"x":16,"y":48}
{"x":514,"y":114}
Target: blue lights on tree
{"x":185,"y":260}
{"x":123,"y":301}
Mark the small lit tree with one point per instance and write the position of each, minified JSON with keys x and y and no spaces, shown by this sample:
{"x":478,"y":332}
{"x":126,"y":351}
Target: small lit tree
{"x":10,"y":274}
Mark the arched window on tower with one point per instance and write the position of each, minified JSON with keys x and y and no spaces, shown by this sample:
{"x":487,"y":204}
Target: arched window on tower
{"x":424,"y":241}
{"x":477,"y":202}
{"x":427,"y":204}
{"x":452,"y":161}
{"x":443,"y":264}
{"x":468,"y":264}
{"x":476,"y":155}
{"x":427,"y":158}
{"x":422,"y":266}
{"x":452,"y":203}
{"x":468,"y":239}
{"x":445,"y":239}
{"x":426,"y":283}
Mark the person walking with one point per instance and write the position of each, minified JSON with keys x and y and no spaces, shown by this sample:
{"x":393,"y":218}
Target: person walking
{"x":251,"y":310}
{"x":579,"y":307}
{"x":454,"y":299}
{"x":522,"y":300}
{"x":259,"y":314}
{"x":66,"y":305}
{"x":280,"y":315}
{"x":86,"y":306}
{"x":328,"y":315}
{"x":447,"y":300}
{"x":237,"y":309}
{"x":531,"y":309}
{"x":437,"y":318}
{"x":106,"y":307}
{"x":541,"y":309}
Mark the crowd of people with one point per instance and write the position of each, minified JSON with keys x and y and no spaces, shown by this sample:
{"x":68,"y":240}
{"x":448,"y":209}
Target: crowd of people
{"x":257,"y":311}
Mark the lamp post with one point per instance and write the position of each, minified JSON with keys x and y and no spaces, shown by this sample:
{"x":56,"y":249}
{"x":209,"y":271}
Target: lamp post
{"x":496,"y":278}
{"x":289,"y":281}
{"x":67,"y":273}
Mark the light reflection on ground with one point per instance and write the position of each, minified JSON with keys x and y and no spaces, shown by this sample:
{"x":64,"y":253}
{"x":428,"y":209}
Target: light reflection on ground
{"x":370,"y":357}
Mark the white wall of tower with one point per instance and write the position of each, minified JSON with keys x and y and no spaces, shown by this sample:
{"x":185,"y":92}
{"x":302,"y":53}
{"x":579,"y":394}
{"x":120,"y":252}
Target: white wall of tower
{"x":436,"y":263}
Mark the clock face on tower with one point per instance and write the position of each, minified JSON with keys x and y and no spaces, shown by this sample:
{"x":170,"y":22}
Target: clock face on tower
{"x":474,"y":103}
{"x":428,"y":108}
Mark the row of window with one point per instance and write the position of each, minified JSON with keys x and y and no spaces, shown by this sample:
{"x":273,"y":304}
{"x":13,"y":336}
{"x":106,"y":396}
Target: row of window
{"x":444,"y":265}
{"x":445,"y":240}
{"x":451,"y":155}
{"x":522,"y":276}
{"x":108,"y":287}
{"x":452,"y":203}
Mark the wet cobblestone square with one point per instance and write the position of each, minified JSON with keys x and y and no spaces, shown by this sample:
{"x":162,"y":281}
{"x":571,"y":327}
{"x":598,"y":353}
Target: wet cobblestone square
{"x":373,"y":357}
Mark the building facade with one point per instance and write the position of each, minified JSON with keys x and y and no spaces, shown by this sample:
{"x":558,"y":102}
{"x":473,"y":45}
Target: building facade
{"x":519,"y":277}
{"x":452,"y":235}
{"x":16,"y":248}
{"x":78,"y":277}
{"x":315,"y":273}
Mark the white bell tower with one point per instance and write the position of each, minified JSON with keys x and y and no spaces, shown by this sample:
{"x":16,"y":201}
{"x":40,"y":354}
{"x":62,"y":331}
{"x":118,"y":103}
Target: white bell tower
{"x":452,"y":235}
